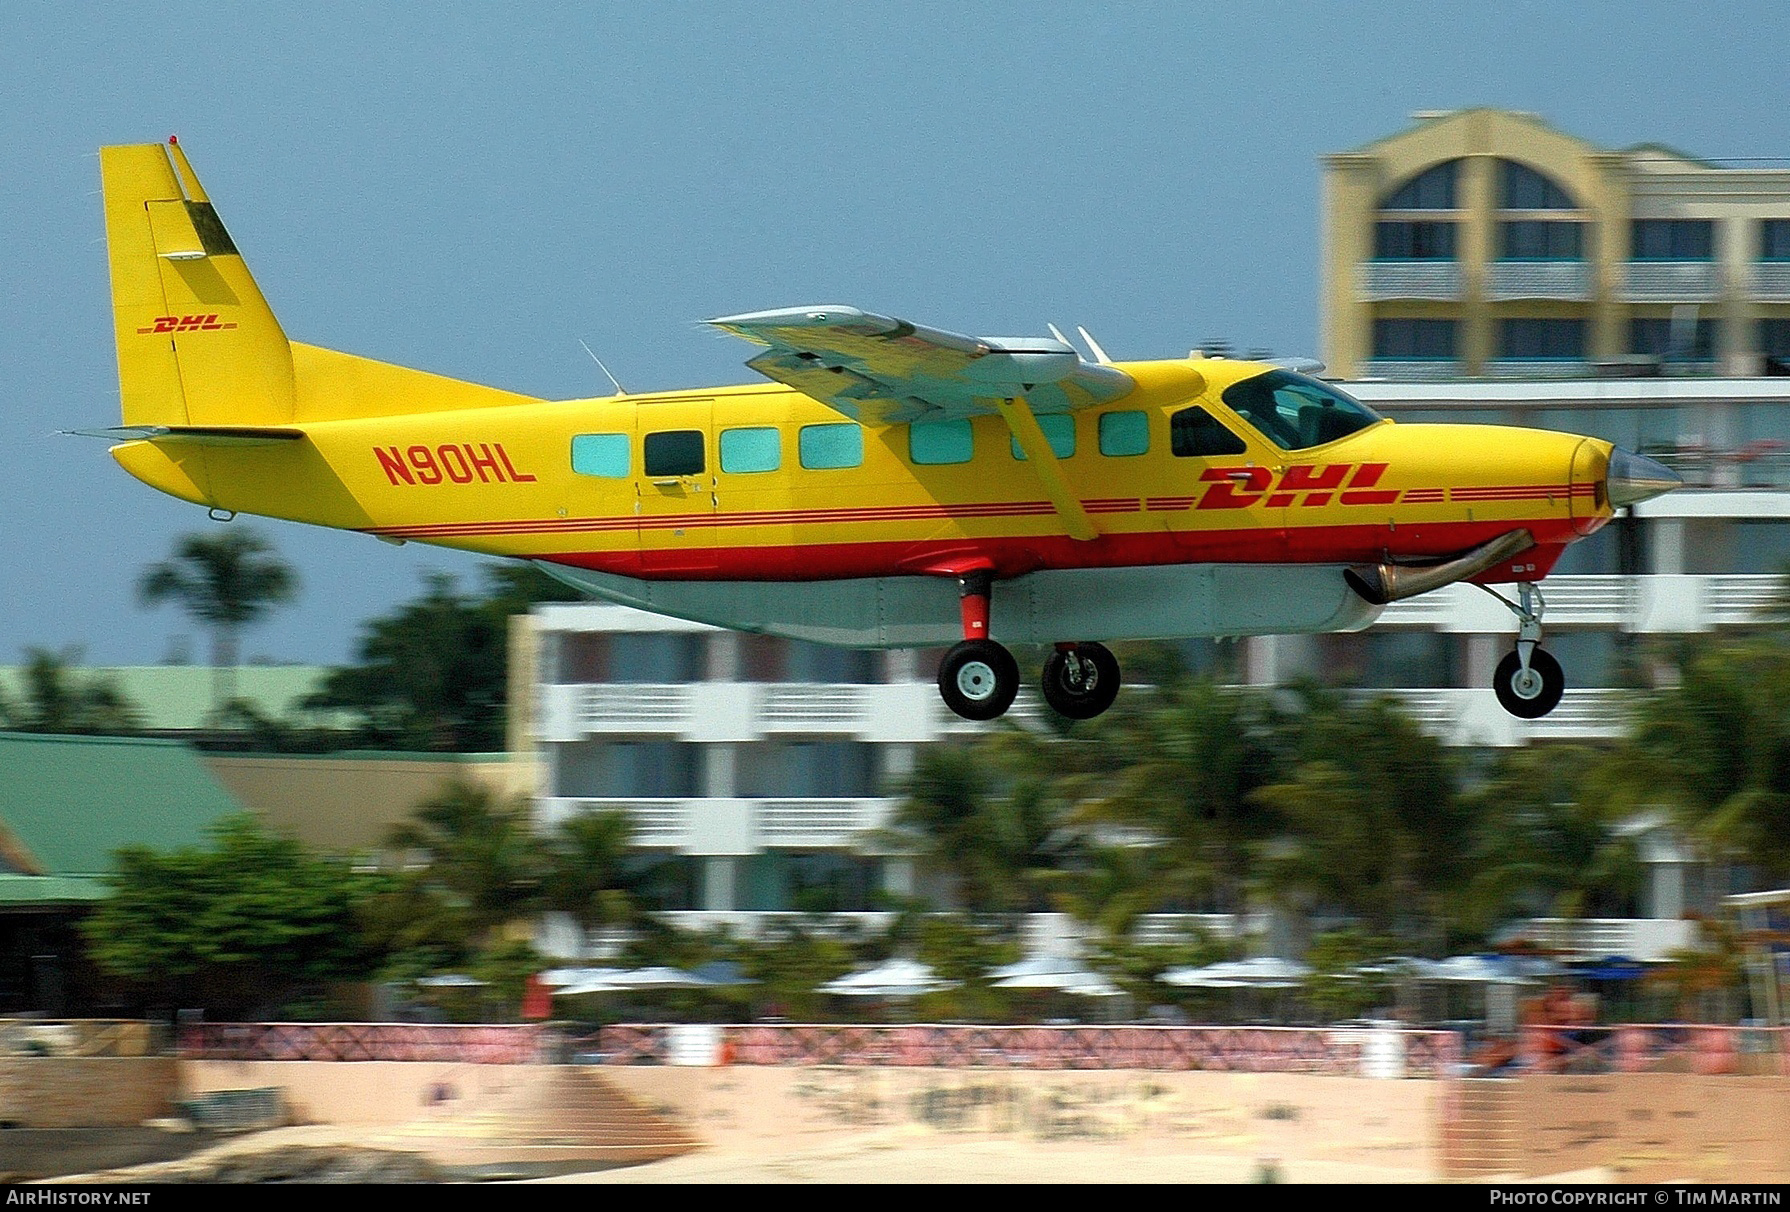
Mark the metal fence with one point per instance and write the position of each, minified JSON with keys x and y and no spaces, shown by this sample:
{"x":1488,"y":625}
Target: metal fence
{"x":506,"y":1044}
{"x":1223,"y":1049}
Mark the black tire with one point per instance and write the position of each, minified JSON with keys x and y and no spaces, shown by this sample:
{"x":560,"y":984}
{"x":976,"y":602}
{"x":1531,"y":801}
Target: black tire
{"x":1093,"y":693}
{"x":978,"y":679}
{"x":1533,"y":701}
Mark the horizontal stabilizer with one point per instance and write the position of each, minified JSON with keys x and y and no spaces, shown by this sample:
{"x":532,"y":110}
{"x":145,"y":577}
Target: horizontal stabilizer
{"x":209,"y":435}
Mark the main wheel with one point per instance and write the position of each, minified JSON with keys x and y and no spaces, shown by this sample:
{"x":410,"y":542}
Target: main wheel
{"x":978,"y":679}
{"x":1529,"y":696}
{"x":1082,"y":688}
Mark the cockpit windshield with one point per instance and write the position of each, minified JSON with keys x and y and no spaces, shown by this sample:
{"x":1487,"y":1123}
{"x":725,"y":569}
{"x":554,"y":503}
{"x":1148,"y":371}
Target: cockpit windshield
{"x":1295,"y":412}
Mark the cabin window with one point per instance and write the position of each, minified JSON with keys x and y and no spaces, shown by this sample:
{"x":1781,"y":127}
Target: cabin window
{"x":675,"y":452}
{"x":1059,"y":431}
{"x":749,"y":450}
{"x":1124,"y":433}
{"x":1196,"y":433}
{"x":935,"y":442}
{"x":601,"y":454}
{"x":830,"y":447}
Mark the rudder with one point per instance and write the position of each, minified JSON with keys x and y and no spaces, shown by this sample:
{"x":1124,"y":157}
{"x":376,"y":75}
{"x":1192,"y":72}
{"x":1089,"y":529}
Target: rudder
{"x":197,"y":343}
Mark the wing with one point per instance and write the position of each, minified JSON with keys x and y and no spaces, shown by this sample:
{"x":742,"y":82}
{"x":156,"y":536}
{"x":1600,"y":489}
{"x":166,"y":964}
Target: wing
{"x":882,"y":371}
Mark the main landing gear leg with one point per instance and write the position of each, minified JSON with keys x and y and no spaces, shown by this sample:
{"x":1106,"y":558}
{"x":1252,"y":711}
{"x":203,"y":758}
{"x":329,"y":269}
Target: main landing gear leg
{"x":1529,"y":681}
{"x":978,"y":678}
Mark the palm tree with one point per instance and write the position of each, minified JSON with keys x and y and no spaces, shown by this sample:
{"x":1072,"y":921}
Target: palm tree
{"x":1715,"y":751}
{"x":481,"y":858}
{"x":225,"y":582}
{"x":587,"y":875}
{"x":54,"y":700}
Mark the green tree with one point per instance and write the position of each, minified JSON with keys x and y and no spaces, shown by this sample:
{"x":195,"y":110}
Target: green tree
{"x":480,"y":862}
{"x":1182,"y":765}
{"x":56,"y":699}
{"x":226,"y":582}
{"x":588,"y":873}
{"x":1715,"y":752}
{"x":991,"y":835}
{"x":433,"y":674}
{"x":236,"y":928}
{"x":1543,"y":846}
{"x":1370,"y":818}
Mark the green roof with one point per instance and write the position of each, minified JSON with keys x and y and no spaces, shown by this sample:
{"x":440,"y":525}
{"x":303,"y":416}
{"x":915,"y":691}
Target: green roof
{"x":177,"y":697}
{"x":71,"y":801}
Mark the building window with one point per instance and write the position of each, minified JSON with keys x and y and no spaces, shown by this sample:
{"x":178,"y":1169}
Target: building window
{"x":806,"y":770}
{"x":1774,"y":240}
{"x":830,"y":447}
{"x":937,"y":442}
{"x":655,"y":657}
{"x":769,"y":658}
{"x":675,"y":452}
{"x":1542,"y":340}
{"x":1124,"y":433}
{"x":1538,"y":240}
{"x":1433,"y":189}
{"x":1059,"y":432}
{"x":1522,"y":188}
{"x":1397,"y":339}
{"x":781,"y":881}
{"x":601,"y":454}
{"x":1647,"y":430}
{"x":1666,"y":338}
{"x":1196,"y":433}
{"x":625,"y":770}
{"x":744,"y":451}
{"x":1672,"y":240}
{"x":1774,"y":344}
{"x":1407,"y":241}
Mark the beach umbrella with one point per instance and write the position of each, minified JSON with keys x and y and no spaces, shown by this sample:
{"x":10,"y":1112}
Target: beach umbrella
{"x":893,"y":978}
{"x":1080,"y":982}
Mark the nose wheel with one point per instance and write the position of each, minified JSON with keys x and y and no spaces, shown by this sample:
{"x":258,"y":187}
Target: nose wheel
{"x":1081,"y":680}
{"x":1529,"y":681}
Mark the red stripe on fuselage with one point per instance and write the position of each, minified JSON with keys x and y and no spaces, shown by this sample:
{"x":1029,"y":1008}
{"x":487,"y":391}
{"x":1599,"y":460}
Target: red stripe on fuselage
{"x":1014,"y":556}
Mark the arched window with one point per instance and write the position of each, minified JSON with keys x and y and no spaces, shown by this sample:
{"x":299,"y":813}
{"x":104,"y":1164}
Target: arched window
{"x":1432,"y":189}
{"x":1522,"y":188}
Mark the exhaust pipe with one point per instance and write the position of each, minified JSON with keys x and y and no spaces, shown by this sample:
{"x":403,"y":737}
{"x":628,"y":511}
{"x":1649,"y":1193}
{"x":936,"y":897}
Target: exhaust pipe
{"x":1383,"y":583}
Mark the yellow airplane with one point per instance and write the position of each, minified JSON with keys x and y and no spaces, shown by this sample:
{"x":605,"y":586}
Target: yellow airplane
{"x":885,"y":487}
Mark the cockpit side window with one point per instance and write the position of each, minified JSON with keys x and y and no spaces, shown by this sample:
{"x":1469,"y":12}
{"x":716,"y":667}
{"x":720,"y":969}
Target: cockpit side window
{"x":1295,"y":412}
{"x":1196,"y":433}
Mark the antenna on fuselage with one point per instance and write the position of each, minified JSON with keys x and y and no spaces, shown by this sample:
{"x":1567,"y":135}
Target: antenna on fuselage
{"x":619,"y":389}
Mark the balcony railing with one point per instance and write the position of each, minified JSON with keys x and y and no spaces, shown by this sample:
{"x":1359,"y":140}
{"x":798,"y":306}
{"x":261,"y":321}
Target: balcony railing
{"x":1771,"y":281}
{"x":1387,"y":280}
{"x":739,"y":711}
{"x":1671,"y":282}
{"x":1403,"y":370}
{"x":1591,"y":938}
{"x":1509,"y":280}
{"x":1537,"y":368}
{"x":700,"y":825}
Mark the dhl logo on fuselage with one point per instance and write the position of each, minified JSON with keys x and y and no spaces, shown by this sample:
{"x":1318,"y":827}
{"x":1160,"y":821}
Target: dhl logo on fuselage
{"x":452,"y":462}
{"x":187,"y":324}
{"x":1240,"y":487}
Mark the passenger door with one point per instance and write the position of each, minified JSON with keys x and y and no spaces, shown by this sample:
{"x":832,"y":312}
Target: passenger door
{"x":675,"y":489}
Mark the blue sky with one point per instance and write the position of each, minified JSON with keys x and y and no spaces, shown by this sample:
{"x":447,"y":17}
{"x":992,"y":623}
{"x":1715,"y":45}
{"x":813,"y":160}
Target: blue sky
{"x":472,"y":189}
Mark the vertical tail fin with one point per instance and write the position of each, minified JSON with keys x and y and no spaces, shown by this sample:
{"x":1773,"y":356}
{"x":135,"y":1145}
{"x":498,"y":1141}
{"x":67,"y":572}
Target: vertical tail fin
{"x":197,"y":344}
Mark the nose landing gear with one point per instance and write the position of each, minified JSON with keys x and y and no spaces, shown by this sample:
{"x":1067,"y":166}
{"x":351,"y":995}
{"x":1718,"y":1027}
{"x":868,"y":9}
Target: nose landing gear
{"x":1529,"y":681}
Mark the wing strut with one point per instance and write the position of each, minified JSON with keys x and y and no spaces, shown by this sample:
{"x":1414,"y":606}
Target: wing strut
{"x":1018,"y":415}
